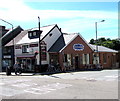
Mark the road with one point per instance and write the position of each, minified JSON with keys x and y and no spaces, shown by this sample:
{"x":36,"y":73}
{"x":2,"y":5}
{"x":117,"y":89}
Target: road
{"x":74,"y":85}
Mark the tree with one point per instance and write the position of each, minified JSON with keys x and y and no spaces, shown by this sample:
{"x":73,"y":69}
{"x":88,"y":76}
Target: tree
{"x":92,"y":41}
{"x":113,"y":44}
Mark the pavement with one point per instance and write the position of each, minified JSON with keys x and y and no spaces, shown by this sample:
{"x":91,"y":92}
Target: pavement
{"x":13,"y":74}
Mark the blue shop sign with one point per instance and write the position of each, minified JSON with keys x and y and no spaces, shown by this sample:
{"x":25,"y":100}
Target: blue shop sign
{"x":78,"y":47}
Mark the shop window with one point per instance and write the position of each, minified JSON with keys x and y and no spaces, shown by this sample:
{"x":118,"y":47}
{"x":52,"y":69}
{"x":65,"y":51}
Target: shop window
{"x":65,"y":57}
{"x":85,"y":58}
{"x":25,"y":48}
{"x":104,"y":58}
{"x":69,"y":59}
{"x":95,"y":58}
{"x":6,"y":62}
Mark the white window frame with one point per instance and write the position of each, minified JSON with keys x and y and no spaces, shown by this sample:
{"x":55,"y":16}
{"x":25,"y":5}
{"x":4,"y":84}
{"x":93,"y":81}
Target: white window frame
{"x":86,"y":59}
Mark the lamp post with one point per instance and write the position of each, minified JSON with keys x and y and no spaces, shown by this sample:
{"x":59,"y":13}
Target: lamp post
{"x":96,"y":37}
{"x":13,"y":38}
{"x":39,"y":43}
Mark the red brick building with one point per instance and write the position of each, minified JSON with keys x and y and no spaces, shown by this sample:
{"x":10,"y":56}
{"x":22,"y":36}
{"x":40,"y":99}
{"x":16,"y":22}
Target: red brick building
{"x":71,"y":51}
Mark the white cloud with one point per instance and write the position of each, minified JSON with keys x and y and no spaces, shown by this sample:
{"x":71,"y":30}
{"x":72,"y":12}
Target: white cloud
{"x":16,"y":10}
{"x":77,"y":21}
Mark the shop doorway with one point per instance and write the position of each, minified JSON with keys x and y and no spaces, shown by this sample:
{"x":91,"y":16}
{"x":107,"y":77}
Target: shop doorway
{"x":28,"y":64}
{"x":76,"y":62}
{"x":54,"y":59}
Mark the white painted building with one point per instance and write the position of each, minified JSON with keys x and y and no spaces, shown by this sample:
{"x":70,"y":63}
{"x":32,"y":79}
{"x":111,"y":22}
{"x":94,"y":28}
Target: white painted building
{"x":26,"y":50}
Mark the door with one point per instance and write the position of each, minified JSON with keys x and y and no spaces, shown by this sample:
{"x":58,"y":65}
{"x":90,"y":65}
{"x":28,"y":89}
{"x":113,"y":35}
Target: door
{"x":76,"y":62}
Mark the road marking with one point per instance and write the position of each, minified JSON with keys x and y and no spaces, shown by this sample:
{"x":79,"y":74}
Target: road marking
{"x":112,"y":76}
{"x":21,"y":85}
{"x":24,"y":85}
{"x":47,"y":88}
{"x":9,"y":92}
{"x":14,"y":81}
{"x":1,"y":83}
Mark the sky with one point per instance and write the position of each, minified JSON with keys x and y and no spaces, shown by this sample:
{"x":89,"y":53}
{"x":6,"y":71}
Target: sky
{"x":71,"y":16}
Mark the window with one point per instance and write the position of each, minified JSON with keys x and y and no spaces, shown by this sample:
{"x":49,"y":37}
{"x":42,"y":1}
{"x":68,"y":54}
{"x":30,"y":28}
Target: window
{"x":104,"y":58}
{"x":43,"y":53}
{"x":25,"y":48}
{"x":95,"y":58}
{"x":50,"y":34}
{"x":7,"y":50}
{"x":85,"y":58}
{"x":30,"y":34}
{"x":18,"y":47}
{"x":65,"y":57}
{"x":34,"y":34}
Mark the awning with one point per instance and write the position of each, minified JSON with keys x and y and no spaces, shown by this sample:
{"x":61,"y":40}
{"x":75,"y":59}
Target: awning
{"x":26,"y":56}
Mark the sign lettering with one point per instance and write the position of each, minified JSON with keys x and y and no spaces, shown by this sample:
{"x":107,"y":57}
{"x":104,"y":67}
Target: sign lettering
{"x":78,"y":47}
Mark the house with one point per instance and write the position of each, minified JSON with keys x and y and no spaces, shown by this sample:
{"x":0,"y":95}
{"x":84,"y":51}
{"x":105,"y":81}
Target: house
{"x":8,"y":50}
{"x":26,"y":49}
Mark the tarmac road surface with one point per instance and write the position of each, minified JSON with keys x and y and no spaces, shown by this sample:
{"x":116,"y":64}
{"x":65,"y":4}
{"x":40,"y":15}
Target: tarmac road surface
{"x":74,"y":85}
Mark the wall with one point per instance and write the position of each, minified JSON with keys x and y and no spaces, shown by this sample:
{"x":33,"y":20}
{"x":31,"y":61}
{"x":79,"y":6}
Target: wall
{"x":111,"y":60}
{"x":50,"y":40}
{"x":69,"y":50}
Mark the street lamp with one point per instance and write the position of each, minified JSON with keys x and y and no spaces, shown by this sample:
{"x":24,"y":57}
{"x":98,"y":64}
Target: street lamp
{"x":13,"y":37}
{"x":36,"y":34}
{"x":39,"y":43}
{"x":96,"y":36}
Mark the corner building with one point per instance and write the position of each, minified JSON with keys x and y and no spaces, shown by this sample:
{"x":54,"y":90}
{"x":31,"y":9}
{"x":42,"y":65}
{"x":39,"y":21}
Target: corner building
{"x":73,"y":52}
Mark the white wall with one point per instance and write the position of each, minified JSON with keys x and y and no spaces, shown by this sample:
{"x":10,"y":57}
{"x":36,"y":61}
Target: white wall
{"x":49,"y":40}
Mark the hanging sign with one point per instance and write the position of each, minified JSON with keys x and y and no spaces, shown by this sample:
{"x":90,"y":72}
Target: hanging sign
{"x":78,"y":47}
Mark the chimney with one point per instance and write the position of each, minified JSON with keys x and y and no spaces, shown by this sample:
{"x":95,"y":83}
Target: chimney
{"x":60,"y":30}
{"x":2,"y":30}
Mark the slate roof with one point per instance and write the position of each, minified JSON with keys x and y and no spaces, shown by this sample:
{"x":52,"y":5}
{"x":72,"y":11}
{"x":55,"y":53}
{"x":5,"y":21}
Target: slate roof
{"x":45,"y":29}
{"x":103,"y":49}
{"x":17,"y":38}
{"x":65,"y":39}
{"x":12,"y":33}
{"x":62,"y":41}
{"x":58,"y":45}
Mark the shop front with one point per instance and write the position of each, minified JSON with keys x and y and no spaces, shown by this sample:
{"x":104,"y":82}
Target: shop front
{"x":27,"y":62}
{"x":77,"y":54}
{"x":7,"y":58}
